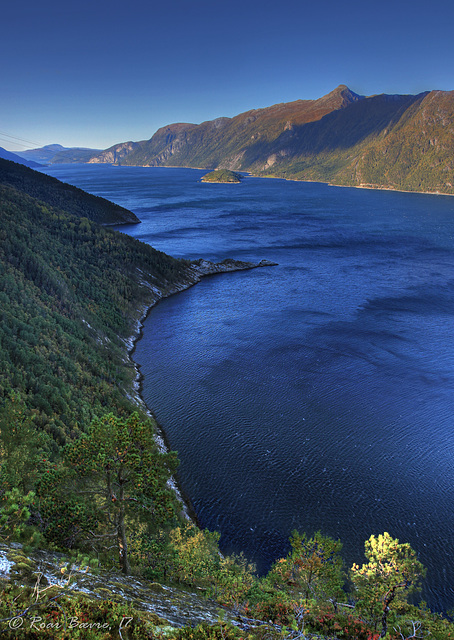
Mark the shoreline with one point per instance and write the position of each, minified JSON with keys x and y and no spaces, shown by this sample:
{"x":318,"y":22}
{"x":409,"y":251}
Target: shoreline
{"x":275,"y":177}
{"x":187,"y":509}
{"x":199,"y":269}
{"x":370,"y":187}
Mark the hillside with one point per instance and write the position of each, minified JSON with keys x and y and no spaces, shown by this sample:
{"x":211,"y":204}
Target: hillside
{"x":416,"y":154}
{"x":13,"y":157}
{"x":83,"y":483}
{"x":384,"y":141}
{"x":59,"y":194}
{"x":74,"y":155}
{"x":222,"y":142}
{"x":115,"y":154}
{"x":71,"y":293}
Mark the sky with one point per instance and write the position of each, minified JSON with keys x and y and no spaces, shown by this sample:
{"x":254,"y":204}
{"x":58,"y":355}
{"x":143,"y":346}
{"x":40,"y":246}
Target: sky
{"x":95,"y":73}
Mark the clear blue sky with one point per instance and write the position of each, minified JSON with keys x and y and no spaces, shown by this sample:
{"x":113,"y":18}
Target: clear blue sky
{"x":98,"y":72}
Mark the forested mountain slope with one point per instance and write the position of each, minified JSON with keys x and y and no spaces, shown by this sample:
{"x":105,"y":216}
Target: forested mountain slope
{"x":13,"y":157}
{"x":71,"y":292}
{"x":59,"y":194}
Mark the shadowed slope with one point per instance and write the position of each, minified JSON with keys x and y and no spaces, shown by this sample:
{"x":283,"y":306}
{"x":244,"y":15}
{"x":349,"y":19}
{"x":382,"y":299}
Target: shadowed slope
{"x":59,"y":194}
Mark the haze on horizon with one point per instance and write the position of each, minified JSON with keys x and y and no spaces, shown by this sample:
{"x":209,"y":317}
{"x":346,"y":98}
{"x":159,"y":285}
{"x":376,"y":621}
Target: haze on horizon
{"x":95,"y":74}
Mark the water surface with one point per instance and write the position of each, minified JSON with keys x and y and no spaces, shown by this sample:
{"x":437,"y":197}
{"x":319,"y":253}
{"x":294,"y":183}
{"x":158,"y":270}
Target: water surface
{"x":317,"y":394}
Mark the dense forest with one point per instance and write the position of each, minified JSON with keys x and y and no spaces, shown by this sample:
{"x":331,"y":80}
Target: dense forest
{"x":81,"y":472}
{"x":52,"y":192}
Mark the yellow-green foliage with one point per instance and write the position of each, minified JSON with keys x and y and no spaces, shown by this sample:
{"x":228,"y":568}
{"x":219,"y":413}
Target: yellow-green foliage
{"x":392,"y":572}
{"x":312,"y":570}
{"x":195,"y":554}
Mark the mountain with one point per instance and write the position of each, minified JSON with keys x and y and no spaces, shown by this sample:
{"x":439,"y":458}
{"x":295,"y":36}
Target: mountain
{"x":223,"y":142}
{"x":54,"y":193}
{"x":74,"y":155}
{"x":13,"y":157}
{"x":383,"y":141}
{"x":43,"y":155}
{"x":115,"y":154}
{"x":56,"y":154}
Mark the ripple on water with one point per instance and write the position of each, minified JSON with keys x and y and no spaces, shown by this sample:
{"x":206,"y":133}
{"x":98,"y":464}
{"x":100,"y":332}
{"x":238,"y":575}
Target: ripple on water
{"x":316,"y":394}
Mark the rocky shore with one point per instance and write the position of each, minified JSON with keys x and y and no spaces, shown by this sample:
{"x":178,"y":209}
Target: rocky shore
{"x":197,"y":270}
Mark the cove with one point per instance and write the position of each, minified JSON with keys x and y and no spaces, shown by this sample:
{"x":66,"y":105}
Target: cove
{"x":317,"y":394}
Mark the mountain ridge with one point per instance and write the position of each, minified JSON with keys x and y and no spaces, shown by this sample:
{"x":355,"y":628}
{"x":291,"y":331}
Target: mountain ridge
{"x":401,"y":142}
{"x":222,"y":142}
{"x":57,"y":154}
{"x":50,"y":191}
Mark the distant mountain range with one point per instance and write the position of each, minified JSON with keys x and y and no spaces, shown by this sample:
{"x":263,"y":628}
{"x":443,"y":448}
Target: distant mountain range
{"x":14,"y":157}
{"x":56,"y":154}
{"x":401,"y":142}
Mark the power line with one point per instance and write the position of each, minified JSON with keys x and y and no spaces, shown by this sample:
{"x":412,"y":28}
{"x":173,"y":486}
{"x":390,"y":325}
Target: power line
{"x":16,"y":144}
{"x":8,"y":135}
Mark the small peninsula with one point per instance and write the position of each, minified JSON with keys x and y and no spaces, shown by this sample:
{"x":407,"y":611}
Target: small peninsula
{"x":222,"y":176}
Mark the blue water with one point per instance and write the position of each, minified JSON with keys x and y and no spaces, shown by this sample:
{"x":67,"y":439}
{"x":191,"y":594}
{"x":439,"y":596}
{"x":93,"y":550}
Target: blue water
{"x":317,"y":394}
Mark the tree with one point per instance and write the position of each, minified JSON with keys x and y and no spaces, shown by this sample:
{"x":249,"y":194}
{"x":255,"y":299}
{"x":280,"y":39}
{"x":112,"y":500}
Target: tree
{"x":313,"y":567}
{"x":118,"y":464}
{"x":391,"y":574}
{"x":234,"y":580}
{"x":14,"y":516}
{"x":21,"y":447}
{"x":194,"y":554}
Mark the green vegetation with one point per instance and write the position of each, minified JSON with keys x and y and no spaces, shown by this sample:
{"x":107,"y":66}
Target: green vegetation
{"x":33,"y":613}
{"x":301,"y":597}
{"x":53,"y":193}
{"x":81,"y":473}
{"x":313,"y":568}
{"x":71,"y":292}
{"x":118,"y":466}
{"x":222,"y":175}
{"x":393,"y":572}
